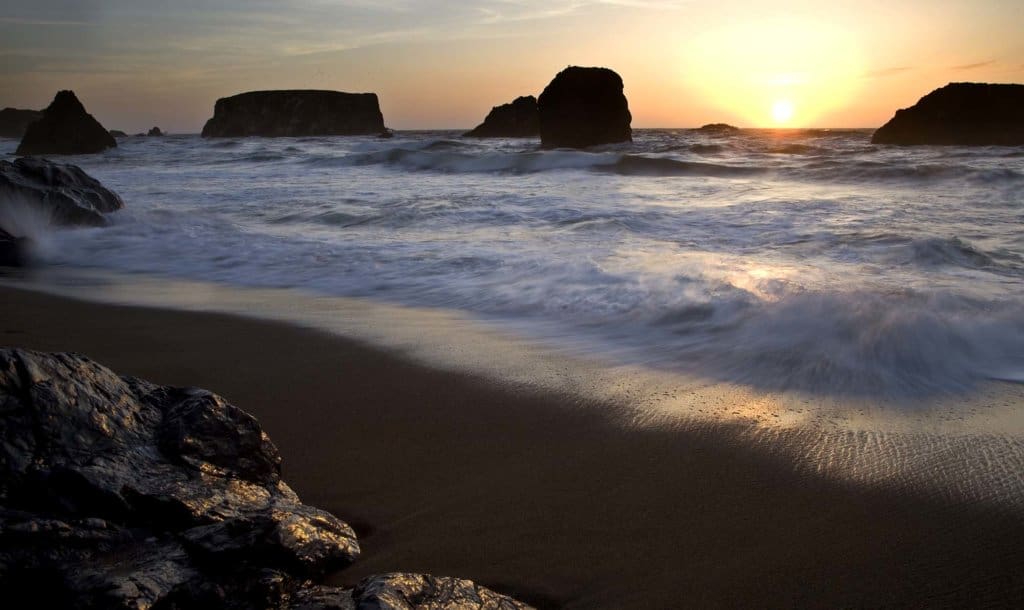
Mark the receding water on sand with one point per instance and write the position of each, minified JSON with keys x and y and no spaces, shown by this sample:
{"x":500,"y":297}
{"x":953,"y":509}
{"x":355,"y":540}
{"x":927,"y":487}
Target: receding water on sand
{"x":958,"y":445}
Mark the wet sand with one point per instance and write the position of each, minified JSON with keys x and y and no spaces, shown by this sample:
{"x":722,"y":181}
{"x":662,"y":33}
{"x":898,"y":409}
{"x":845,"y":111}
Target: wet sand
{"x":546,"y":495}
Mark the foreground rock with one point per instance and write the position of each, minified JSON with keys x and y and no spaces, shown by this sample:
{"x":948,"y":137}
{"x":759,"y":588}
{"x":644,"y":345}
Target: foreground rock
{"x":117,"y":133}
{"x":584,"y":107}
{"x":53,"y":193}
{"x":13,"y":250}
{"x":295,"y":113}
{"x":118,"y":493}
{"x":519,"y":119}
{"x":14,"y":121}
{"x":963,"y":114}
{"x":65,"y":129}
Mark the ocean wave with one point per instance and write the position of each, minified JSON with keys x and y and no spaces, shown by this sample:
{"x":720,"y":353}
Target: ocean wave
{"x":899,"y":343}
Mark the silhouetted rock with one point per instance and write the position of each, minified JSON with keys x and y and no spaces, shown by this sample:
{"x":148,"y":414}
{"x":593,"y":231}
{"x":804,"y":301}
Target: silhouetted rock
{"x":295,"y":113}
{"x":14,"y":122}
{"x":117,"y":133}
{"x":965,"y":114}
{"x":519,"y":119}
{"x":584,"y":107}
{"x":56,"y":193}
{"x":119,"y":493}
{"x":65,"y":129}
{"x":154,"y":132}
{"x":13,"y":250}
{"x":719,"y":129}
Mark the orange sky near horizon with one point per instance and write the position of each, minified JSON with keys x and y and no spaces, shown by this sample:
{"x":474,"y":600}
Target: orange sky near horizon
{"x":753,"y":63}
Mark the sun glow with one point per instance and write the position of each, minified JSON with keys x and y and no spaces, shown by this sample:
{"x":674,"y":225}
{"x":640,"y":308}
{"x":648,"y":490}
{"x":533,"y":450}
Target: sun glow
{"x":782,"y":111}
{"x":784,"y":72}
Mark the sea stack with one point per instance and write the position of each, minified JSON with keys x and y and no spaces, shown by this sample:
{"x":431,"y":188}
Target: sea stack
{"x":584,"y":107}
{"x":295,"y":113}
{"x":14,"y":121}
{"x":65,"y":129}
{"x":962,"y":114}
{"x":155,"y":132}
{"x":518,"y":119}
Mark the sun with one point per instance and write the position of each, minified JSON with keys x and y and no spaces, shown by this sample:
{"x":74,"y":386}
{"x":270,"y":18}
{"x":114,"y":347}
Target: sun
{"x":782,"y":111}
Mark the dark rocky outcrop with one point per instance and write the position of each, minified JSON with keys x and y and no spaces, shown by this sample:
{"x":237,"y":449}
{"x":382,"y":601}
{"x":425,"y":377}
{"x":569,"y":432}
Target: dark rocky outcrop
{"x":13,"y":250}
{"x":963,"y":114}
{"x":519,"y":119}
{"x":118,"y":493}
{"x":718,"y":129}
{"x":117,"y":133}
{"x":584,"y":107}
{"x":14,"y":121}
{"x":61,"y":193}
{"x":154,"y":132}
{"x":295,"y":113}
{"x":65,"y":129}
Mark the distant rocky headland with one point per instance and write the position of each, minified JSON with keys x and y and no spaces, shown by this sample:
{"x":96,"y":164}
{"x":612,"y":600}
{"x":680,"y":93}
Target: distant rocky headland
{"x":119,"y":493}
{"x":14,"y":121}
{"x":65,"y":129}
{"x":295,"y":113}
{"x":963,"y":114}
{"x":718,"y":129}
{"x":517,"y":119}
{"x":584,"y":107}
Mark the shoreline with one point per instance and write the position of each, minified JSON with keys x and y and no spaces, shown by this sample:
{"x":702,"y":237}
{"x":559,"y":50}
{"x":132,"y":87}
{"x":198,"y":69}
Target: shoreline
{"x":545,"y":496}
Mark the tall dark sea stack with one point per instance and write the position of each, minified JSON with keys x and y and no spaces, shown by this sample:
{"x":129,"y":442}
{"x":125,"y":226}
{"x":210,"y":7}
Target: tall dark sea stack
{"x":962,"y":114}
{"x":295,"y":113}
{"x":65,"y":129}
{"x":584,"y":107}
{"x":14,"y":121}
{"x":519,"y":119}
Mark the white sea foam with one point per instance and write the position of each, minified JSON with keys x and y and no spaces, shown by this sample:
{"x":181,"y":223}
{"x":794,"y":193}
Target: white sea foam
{"x":810,"y":261}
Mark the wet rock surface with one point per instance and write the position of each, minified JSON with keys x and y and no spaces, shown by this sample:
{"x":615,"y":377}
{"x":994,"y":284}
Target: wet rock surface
{"x":584,"y":107}
{"x":65,"y":129}
{"x":57,"y":193}
{"x":962,"y":114}
{"x":119,"y":493}
{"x":518,"y":119}
{"x":295,"y":113}
{"x":14,"y":121}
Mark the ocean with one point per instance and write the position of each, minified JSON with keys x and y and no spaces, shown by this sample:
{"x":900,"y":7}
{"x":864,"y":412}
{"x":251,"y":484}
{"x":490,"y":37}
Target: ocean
{"x":806,"y":260}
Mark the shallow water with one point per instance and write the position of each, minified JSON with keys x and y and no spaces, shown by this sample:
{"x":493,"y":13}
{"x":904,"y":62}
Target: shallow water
{"x":809,"y":261}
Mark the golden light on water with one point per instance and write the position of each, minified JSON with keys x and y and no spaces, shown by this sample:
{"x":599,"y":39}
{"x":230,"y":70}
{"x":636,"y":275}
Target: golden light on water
{"x":777,"y":73}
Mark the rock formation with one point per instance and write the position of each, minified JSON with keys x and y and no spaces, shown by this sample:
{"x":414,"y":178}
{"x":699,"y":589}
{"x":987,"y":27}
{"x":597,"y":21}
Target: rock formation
{"x":117,"y":133}
{"x":65,"y":129}
{"x":719,"y":129}
{"x":154,"y":132}
{"x":118,"y":493}
{"x":59,"y":193}
{"x":13,"y":250}
{"x":963,"y":114}
{"x":14,"y":122}
{"x":519,"y":119}
{"x":295,"y":113}
{"x":584,"y":107}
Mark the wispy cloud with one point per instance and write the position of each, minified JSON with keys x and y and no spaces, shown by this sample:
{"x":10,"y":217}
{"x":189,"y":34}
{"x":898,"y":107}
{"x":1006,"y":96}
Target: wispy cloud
{"x":882,"y":73}
{"x":975,"y":66}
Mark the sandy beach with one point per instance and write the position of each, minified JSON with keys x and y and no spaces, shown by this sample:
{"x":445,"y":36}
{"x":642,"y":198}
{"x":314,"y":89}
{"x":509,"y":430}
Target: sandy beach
{"x":543,"y":495}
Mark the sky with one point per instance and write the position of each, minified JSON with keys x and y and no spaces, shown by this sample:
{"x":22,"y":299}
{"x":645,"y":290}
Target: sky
{"x":752,"y":63}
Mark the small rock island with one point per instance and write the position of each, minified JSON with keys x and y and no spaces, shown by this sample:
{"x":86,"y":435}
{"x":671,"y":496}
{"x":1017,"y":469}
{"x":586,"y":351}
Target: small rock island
{"x":584,"y":107}
{"x":961,"y":114}
{"x":518,"y":119}
{"x":65,"y":129}
{"x":295,"y":113}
